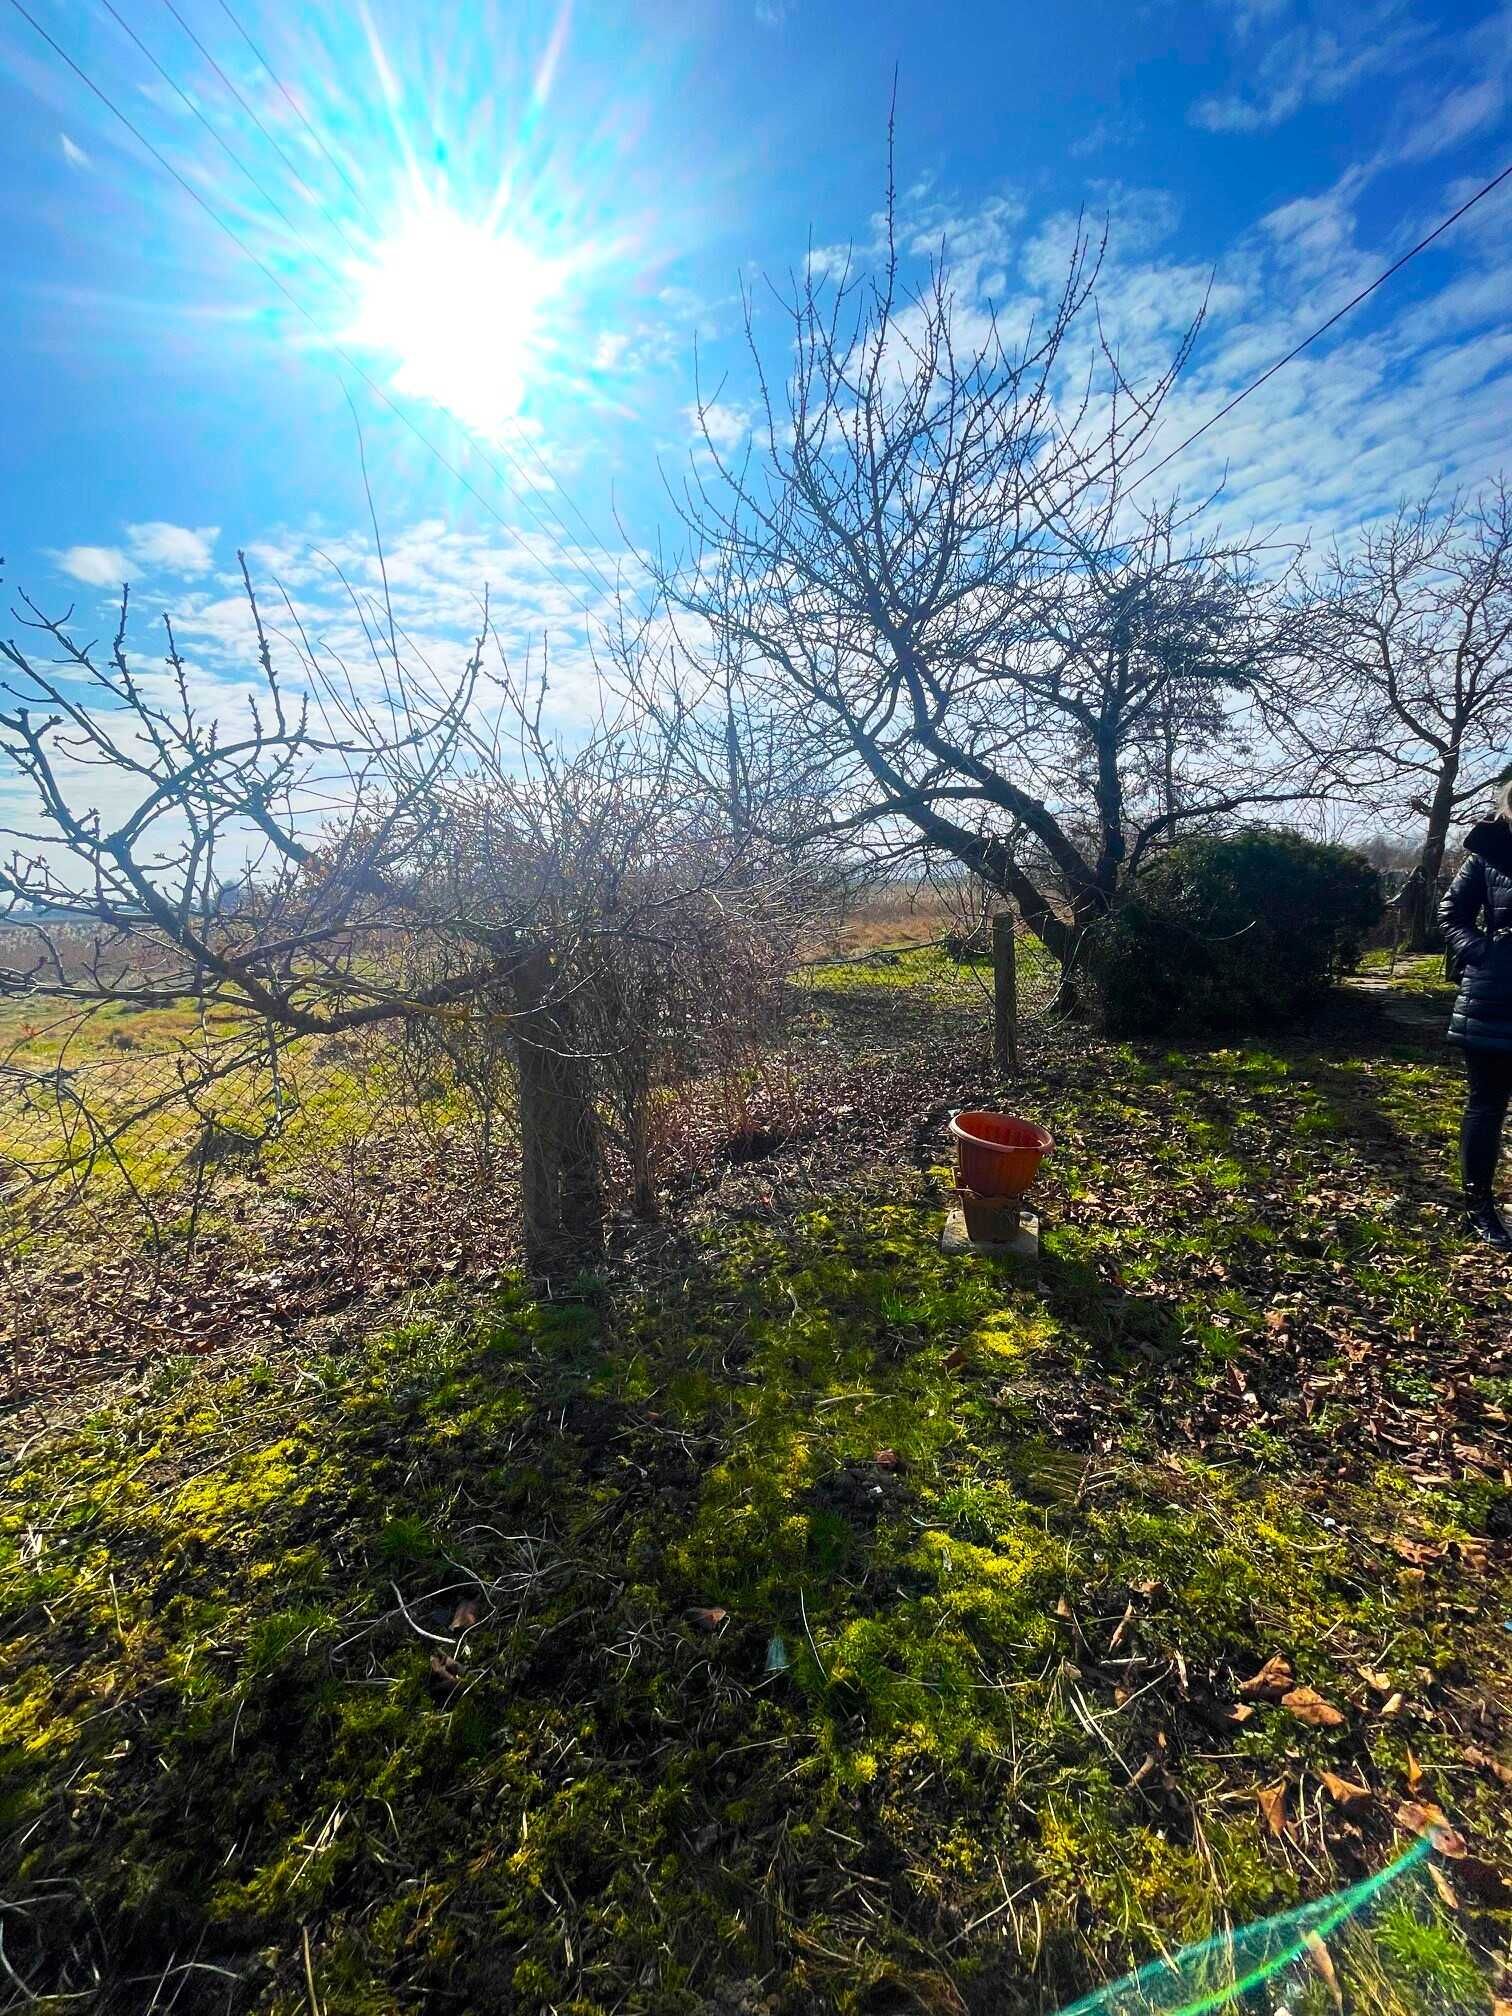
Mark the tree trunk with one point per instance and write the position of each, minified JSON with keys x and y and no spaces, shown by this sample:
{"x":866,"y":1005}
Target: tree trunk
{"x":1422,"y":920}
{"x":562,"y":1174}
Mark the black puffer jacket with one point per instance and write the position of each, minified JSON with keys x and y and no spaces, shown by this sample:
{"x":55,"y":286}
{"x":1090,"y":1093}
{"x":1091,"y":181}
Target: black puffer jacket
{"x":1476,"y":919}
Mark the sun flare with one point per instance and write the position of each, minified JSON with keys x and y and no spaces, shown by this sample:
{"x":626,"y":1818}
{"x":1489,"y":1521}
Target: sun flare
{"x":461,"y":308}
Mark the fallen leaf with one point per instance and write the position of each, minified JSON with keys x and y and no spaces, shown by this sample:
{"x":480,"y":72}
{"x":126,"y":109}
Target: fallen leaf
{"x":1322,"y":1961}
{"x":1344,"y":1792}
{"x":1421,"y":1816}
{"x":1309,"y":1706}
{"x":888,"y":1459}
{"x":1484,"y":1761}
{"x":465,"y":1615}
{"x":1391,"y":1707}
{"x":955,"y":1359}
{"x":709,"y":1620}
{"x":1379,"y":1681}
{"x":1415,"y":1775}
{"x":446,"y":1669}
{"x":1444,"y":1887}
{"x":1422,"y":1554}
{"x":1272,"y":1681}
{"x":1239,"y":1711}
{"x":1272,"y":1802}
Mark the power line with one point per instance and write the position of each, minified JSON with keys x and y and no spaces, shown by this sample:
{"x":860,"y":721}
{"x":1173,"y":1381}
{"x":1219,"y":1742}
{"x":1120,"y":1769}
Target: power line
{"x":299,"y":307}
{"x":560,"y":526}
{"x":1323,"y":327}
{"x":299,"y":113}
{"x":252,"y":115}
{"x":315,"y":135}
{"x":220,"y":140}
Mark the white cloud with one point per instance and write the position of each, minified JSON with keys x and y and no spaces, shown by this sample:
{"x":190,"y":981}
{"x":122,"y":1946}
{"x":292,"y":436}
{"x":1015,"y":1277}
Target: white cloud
{"x":610,"y":349}
{"x":175,"y":548}
{"x":1457,"y":115}
{"x":73,"y":154}
{"x":725,"y":426}
{"x":1305,"y":64}
{"x":95,"y":566}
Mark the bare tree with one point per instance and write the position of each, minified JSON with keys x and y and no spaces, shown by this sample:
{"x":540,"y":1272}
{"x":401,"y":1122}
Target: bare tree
{"x":1417,"y":640}
{"x":339,"y":854}
{"x":931,"y":574}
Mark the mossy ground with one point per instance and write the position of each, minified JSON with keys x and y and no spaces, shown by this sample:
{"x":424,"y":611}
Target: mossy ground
{"x":808,"y":1621}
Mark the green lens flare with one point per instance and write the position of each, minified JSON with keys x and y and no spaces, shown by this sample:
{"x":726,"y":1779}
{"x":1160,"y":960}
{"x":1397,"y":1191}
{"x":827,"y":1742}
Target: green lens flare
{"x":1221,"y":1972}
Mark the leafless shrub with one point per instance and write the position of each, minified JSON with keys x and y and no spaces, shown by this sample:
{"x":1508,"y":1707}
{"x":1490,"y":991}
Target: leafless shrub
{"x":559,"y":926}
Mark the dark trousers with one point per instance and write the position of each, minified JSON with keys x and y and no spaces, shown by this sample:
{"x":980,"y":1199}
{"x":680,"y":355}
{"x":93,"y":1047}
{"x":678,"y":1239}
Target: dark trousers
{"x":1490,"y":1076}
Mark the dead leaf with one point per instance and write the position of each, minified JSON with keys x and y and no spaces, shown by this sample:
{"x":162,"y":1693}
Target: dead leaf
{"x":888,"y":1459}
{"x":1421,"y":1816}
{"x":1444,"y":1887}
{"x":1416,"y":1776}
{"x":1272,"y":1681}
{"x":1239,"y":1711}
{"x":1272,"y":1802}
{"x":1322,"y":1961}
{"x":1391,"y":1707}
{"x":465,"y":1615}
{"x":1309,"y":1706}
{"x":1379,"y":1681}
{"x":446,"y":1669}
{"x":710,"y":1619}
{"x":1344,"y":1792}
{"x":955,"y":1359}
{"x":1484,"y":1761}
{"x":1422,"y":1554}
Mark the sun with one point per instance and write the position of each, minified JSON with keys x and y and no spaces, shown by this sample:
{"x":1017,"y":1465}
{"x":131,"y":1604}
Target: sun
{"x":461,"y":308}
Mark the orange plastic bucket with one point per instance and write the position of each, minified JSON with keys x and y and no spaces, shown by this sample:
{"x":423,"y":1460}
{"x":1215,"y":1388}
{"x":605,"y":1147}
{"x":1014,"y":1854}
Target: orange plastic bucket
{"x":997,"y":1154}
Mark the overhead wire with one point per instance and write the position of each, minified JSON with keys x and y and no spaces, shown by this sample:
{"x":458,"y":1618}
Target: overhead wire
{"x":299,"y":113}
{"x":1322,"y":328}
{"x":587,"y":565}
{"x":252,"y":115}
{"x":219,"y":138}
{"x":336,"y":348}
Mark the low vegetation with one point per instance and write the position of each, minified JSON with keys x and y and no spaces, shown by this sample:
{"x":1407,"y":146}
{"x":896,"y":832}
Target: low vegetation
{"x":791,"y":1618}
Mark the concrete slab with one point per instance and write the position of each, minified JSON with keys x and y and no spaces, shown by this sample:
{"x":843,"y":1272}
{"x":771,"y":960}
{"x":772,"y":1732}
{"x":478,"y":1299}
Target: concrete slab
{"x":1024,"y":1243}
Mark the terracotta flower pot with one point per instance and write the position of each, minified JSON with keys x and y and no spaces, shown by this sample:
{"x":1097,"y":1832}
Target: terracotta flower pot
{"x":998,"y":1154}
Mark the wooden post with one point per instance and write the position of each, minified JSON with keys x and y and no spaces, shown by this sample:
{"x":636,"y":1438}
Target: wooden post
{"x":1004,"y":994}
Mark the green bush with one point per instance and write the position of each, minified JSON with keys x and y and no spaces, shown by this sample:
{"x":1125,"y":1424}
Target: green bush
{"x":1242,"y":931}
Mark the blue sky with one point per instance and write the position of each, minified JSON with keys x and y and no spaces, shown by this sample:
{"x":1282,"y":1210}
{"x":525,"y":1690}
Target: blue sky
{"x":165,"y":402}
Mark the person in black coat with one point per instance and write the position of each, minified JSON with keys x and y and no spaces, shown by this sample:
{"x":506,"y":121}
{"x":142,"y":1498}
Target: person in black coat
{"x":1476,"y":918}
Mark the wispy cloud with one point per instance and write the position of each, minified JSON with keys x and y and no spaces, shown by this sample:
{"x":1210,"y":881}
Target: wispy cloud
{"x":95,"y":566}
{"x":1305,"y":63}
{"x":176,"y":549}
{"x":726,"y":426}
{"x":73,"y":154}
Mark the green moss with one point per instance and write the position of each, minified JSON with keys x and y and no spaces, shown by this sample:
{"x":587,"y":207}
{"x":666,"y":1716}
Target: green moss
{"x":952,"y":1491}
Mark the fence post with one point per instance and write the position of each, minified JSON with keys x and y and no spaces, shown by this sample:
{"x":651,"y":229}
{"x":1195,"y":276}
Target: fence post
{"x":1004,"y":993}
